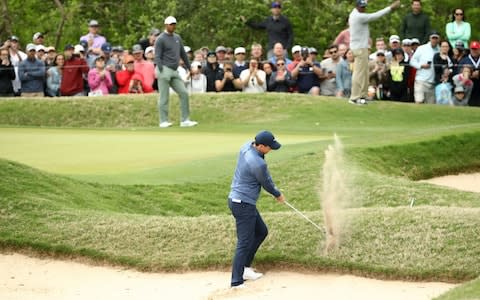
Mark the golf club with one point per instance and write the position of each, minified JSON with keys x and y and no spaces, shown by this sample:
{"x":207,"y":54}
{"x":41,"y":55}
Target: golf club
{"x":304,"y":216}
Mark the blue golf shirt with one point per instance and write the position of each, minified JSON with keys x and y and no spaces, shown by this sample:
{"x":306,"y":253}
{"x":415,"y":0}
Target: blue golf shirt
{"x":251,"y":174}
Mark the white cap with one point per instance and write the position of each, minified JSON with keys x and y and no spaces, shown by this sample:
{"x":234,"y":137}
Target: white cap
{"x":149,"y":49}
{"x":394,"y":38}
{"x":296,"y":48}
{"x":40,"y":48}
{"x":407,"y":42}
{"x":170,"y":20}
{"x":51,"y":48}
{"x":31,"y":47}
{"x":187,"y":49}
{"x":239,"y":50}
{"x":195,"y":64}
{"x":415,"y":41}
{"x":78,"y":49}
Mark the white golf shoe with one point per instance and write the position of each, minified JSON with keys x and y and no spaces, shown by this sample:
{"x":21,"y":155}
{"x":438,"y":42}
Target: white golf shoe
{"x":188,"y":123}
{"x":250,"y":274}
{"x":165,"y":124}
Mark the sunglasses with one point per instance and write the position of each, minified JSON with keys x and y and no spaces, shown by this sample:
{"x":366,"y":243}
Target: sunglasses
{"x":459,"y":14}
{"x":280,"y":64}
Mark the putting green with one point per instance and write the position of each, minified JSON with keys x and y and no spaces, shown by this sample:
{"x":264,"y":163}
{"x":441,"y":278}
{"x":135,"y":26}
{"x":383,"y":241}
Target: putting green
{"x":124,"y":156}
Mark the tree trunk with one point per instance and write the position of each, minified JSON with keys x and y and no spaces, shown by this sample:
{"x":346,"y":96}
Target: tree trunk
{"x":5,"y":26}
{"x":63,"y":15}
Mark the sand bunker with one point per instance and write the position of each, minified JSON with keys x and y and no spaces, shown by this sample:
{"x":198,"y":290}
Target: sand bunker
{"x":27,"y":278}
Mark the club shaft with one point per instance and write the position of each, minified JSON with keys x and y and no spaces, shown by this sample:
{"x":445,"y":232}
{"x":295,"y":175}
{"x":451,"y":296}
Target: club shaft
{"x":304,"y":216}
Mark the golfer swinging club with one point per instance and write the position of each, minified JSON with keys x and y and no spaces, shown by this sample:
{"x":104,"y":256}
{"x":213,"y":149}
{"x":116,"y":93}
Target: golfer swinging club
{"x":251,"y":174}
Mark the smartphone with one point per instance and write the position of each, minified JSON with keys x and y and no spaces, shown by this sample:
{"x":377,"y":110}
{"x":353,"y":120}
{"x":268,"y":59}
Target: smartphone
{"x":429,"y":62}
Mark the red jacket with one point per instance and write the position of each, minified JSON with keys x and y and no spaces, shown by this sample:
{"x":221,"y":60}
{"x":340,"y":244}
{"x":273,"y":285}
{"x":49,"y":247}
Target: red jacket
{"x":123,"y":81}
{"x":72,"y":77}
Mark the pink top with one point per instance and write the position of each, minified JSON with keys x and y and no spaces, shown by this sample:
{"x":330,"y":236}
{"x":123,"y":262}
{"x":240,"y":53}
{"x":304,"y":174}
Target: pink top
{"x":343,"y":38}
{"x":97,"y":83}
{"x":147,"y":69}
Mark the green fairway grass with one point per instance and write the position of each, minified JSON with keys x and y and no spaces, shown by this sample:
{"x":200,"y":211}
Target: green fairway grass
{"x":97,"y":178}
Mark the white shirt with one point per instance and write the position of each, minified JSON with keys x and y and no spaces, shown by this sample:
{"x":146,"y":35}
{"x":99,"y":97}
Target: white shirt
{"x":253,"y":86}
{"x":423,"y":55}
{"x":359,"y":32}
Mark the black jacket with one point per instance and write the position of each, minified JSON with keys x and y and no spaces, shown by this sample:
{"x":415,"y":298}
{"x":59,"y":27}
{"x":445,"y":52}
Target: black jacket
{"x":7,"y":74}
{"x":278,"y":30}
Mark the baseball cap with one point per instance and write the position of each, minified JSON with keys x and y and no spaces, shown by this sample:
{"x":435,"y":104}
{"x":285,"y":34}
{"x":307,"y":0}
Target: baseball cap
{"x":187,"y":49}
{"x":78,"y":48}
{"x":155,"y":31}
{"x":68,"y":47}
{"x":14,"y":38}
{"x":149,"y":49}
{"x":459,"y":45}
{"x":196,"y":64}
{"x":459,"y":89}
{"x":474,"y":45}
{"x":394,"y":38}
{"x":221,"y":49}
{"x":362,"y":3}
{"x":31,"y":47}
{"x":40,"y":48}
{"x":106,"y":47}
{"x":434,"y":34}
{"x":296,"y":48}
{"x":276,"y":5}
{"x":239,"y":50}
{"x":312,"y":50}
{"x":93,"y":23}
{"x":117,"y":49}
{"x":415,"y":41}
{"x":37,"y":35}
{"x":406,"y":42}
{"x":50,"y":48}
{"x":170,"y":20}
{"x":266,"y":138}
{"x":211,"y":53}
{"x":137,"y":48}
{"x":380,"y":52}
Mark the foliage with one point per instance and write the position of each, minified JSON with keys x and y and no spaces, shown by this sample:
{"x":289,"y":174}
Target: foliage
{"x":207,"y":23}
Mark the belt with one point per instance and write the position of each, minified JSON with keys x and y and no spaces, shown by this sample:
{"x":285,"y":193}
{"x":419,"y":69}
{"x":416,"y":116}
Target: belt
{"x":237,"y":200}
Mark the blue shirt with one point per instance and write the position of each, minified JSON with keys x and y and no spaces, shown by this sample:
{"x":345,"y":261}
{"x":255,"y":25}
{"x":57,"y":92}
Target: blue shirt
{"x":251,"y":175}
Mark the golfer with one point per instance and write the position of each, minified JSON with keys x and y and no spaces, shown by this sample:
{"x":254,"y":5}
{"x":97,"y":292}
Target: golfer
{"x":168,"y":51}
{"x":359,"y":38}
{"x":251,"y":174}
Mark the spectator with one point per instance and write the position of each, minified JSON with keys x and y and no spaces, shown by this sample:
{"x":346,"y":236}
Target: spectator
{"x":459,"y":97}
{"x":425,"y":76}
{"x":54,"y":76}
{"x":37,"y":38}
{"x":229,"y":55}
{"x":267,"y":67}
{"x":407,"y":49}
{"x":344,"y":75}
{"x":143,"y":67}
{"x":473,"y":60}
{"x":150,"y":54}
{"x":342,"y":49}
{"x":415,"y":44}
{"x":240,"y":64}
{"x":212,"y":71}
{"x":394,"y":44}
{"x":99,"y":79}
{"x":359,"y":38}
{"x":463,"y":80}
{"x":279,"y":53}
{"x":281,"y":80}
{"x":150,"y":40}
{"x":307,"y":74}
{"x":443,"y":64}
{"x":220,"y":52}
{"x":187,"y":49}
{"x":111,"y":65}
{"x":51,"y":54}
{"x":32,"y":74}
{"x":378,"y":76}
{"x":397,"y":77}
{"x":7,"y":74}
{"x":16,"y":56}
{"x":226,"y":81}
{"x":458,"y":29}
{"x":416,"y":24}
{"x":196,"y":81}
{"x":328,"y":84}
{"x":344,"y":36}
{"x":198,"y":56}
{"x":168,"y":51}
{"x":73,"y":71}
{"x":278,"y":28}
{"x":257,"y":53}
{"x":124,"y":76}
{"x":314,"y":53}
{"x":94,"y":39}
{"x":253,"y":79}
{"x":40,"y":53}
{"x":296,"y":58}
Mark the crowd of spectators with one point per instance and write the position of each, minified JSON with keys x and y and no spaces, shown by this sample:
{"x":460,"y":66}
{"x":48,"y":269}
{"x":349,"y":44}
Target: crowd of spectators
{"x":420,"y":67}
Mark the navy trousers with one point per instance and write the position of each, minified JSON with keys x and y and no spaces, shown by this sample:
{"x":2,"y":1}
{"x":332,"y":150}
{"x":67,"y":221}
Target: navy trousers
{"x":251,"y":232}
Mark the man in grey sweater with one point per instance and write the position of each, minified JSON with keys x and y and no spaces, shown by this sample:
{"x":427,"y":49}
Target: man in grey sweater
{"x":359,"y":38}
{"x":168,"y":51}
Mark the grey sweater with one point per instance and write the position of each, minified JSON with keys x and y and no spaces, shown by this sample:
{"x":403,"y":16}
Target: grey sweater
{"x":168,"y":51}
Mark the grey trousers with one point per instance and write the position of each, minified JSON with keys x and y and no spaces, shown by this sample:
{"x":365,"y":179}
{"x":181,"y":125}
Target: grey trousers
{"x":166,"y":78}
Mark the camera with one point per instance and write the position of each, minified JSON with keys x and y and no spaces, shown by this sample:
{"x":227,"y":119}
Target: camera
{"x":304,"y":52}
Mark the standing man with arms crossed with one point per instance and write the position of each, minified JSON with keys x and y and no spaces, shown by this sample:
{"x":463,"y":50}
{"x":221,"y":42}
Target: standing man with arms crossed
{"x":168,"y":51}
{"x":251,"y":174}
{"x":359,"y":37}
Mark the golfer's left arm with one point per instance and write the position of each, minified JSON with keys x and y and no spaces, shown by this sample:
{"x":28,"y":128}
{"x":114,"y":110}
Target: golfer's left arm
{"x":263,"y":176}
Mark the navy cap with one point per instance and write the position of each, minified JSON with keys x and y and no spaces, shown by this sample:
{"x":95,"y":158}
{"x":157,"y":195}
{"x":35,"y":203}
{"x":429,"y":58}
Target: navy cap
{"x":106,"y":47}
{"x":362,"y":3}
{"x":276,"y":5}
{"x":68,"y":47}
{"x":266,"y":138}
{"x":84,"y":43}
